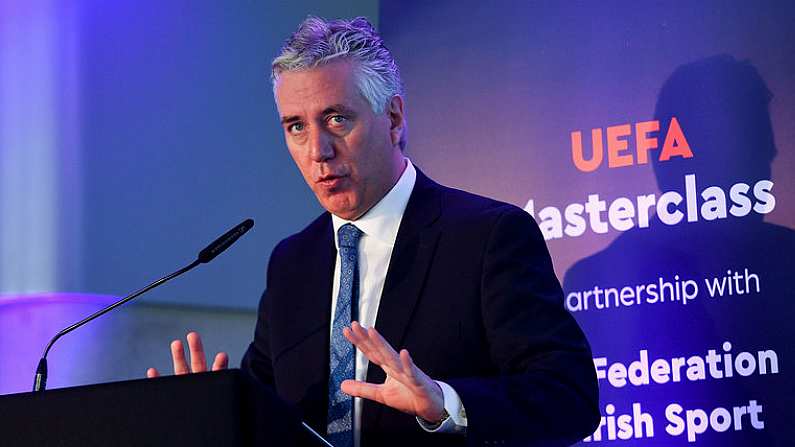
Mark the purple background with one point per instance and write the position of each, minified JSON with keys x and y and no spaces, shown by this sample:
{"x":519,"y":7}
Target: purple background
{"x":494,"y":90}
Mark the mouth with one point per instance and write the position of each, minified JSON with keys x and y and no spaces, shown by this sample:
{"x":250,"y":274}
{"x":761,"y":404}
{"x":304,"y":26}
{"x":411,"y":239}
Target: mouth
{"x":331,"y":181}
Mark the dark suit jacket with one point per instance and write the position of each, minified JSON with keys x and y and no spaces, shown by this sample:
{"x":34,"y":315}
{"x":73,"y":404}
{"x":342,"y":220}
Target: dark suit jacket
{"x":471,"y":293}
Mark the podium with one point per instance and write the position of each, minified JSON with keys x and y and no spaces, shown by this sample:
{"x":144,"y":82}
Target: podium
{"x":224,"y":408}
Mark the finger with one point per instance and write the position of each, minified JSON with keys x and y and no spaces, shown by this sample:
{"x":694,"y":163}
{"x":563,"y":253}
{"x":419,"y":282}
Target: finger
{"x":357,"y":332}
{"x":357,"y":335}
{"x":385,"y":351}
{"x":351,"y":336}
{"x":221,"y":361}
{"x":360,"y":338}
{"x":178,"y":358}
{"x":151,"y":373}
{"x":413,"y":373}
{"x":198,"y":363}
{"x":406,"y":361}
{"x":364,"y":390}
{"x":380,"y":342}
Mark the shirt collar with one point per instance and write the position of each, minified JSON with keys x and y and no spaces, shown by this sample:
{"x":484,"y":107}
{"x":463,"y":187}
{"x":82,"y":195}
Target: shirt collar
{"x":383,"y":219}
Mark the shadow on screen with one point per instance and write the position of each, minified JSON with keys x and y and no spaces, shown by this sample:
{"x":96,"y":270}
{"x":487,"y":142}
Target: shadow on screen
{"x":722,"y":107}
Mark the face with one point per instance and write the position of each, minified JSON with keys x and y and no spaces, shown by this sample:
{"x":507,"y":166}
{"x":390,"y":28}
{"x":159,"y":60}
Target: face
{"x":349,"y":156}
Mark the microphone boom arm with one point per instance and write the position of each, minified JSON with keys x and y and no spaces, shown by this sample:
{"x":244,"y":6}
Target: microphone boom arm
{"x":206,"y":255}
{"x":40,"y":382}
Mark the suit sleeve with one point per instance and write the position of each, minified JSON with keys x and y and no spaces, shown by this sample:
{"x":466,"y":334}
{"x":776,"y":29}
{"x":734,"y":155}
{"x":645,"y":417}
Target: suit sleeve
{"x":546,"y":391}
{"x":257,"y":359}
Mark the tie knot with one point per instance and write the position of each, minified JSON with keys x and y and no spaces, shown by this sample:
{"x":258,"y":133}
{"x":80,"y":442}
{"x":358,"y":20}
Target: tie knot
{"x":348,"y":236}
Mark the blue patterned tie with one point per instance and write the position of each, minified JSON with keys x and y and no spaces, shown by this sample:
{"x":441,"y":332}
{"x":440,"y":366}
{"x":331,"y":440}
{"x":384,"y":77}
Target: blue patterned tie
{"x":342,"y":359}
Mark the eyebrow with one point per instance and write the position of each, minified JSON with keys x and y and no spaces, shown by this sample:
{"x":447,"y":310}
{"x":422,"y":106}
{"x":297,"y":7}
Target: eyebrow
{"x":290,"y":119}
{"x":334,"y":108}
{"x":339,"y":108}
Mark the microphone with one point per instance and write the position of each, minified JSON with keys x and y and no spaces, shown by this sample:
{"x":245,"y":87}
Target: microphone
{"x":206,"y":255}
{"x":225,"y":241}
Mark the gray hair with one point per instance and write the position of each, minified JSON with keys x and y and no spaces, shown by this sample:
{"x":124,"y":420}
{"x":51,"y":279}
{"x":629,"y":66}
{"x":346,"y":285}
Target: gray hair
{"x":319,"y":41}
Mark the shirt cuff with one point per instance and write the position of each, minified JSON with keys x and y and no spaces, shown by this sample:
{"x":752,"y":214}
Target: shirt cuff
{"x":456,"y":420}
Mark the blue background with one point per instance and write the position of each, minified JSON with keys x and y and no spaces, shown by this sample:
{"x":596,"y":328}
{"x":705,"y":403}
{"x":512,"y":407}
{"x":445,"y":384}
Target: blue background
{"x":133,"y":134}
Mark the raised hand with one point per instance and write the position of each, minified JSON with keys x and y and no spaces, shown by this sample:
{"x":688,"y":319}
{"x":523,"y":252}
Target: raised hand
{"x":198,"y":362}
{"x":406,"y":387}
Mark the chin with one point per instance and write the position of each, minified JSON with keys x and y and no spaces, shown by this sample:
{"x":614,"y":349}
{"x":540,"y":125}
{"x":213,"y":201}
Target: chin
{"x":346,"y":214}
{"x":342,"y":208}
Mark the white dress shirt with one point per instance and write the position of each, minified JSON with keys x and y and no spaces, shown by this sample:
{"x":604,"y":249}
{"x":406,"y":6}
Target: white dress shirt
{"x":380,"y":226}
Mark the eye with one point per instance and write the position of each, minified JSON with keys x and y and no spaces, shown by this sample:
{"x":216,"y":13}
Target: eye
{"x":337,"y":120}
{"x":295,"y":128}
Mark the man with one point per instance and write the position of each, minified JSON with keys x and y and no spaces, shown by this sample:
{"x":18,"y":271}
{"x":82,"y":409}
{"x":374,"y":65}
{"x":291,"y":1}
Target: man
{"x":461,"y":284}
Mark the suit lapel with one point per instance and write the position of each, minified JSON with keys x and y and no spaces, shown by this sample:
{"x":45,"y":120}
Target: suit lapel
{"x":408,"y":267}
{"x":312,"y":303}
{"x":316,"y":280}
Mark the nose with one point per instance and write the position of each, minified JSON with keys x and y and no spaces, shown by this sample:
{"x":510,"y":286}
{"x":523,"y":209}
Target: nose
{"x":321,"y":146}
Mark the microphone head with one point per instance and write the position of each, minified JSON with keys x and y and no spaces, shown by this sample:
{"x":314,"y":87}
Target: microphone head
{"x":225,"y":241}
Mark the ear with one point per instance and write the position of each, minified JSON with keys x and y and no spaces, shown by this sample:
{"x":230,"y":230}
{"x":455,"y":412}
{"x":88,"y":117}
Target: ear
{"x":396,"y":119}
